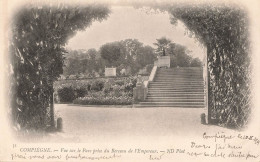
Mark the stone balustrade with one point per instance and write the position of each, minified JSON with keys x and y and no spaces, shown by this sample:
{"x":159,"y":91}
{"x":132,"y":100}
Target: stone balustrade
{"x":141,"y":89}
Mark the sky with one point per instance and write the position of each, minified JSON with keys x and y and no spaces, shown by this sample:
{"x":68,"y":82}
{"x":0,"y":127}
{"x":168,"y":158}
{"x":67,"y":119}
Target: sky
{"x":130,"y":23}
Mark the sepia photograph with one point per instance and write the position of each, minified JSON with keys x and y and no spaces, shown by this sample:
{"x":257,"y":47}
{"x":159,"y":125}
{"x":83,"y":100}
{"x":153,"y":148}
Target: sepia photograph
{"x":130,"y":81}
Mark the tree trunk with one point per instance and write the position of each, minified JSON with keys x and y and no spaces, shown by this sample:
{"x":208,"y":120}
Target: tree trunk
{"x":52,"y":107}
{"x":163,"y":52}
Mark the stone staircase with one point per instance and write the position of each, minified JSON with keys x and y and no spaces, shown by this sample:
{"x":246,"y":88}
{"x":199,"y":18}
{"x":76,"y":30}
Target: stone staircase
{"x":176,"y":87}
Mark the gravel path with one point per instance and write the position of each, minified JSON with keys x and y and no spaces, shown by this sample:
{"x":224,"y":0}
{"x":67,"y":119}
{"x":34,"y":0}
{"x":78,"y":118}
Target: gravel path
{"x":114,"y":124}
{"x":87,"y":124}
{"x":125,"y":128}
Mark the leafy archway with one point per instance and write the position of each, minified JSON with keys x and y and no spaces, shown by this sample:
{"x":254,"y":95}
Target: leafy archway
{"x":223,"y":29}
{"x":39,"y":34}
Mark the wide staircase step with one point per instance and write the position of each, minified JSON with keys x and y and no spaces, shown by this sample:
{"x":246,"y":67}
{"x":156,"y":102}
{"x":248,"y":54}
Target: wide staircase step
{"x":152,"y":91}
{"x":189,"y":79}
{"x":175,"y":100}
{"x":187,"y":105}
{"x":175,"y":95}
{"x":176,"y":87}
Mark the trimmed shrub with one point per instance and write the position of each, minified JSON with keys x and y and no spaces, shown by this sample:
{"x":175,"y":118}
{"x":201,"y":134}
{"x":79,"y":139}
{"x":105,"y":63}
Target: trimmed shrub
{"x":66,"y":94}
{"x":80,"y":92}
{"x":98,"y":85}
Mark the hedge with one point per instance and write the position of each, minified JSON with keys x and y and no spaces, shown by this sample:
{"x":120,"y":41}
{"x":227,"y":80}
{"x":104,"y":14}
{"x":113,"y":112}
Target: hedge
{"x":69,"y":90}
{"x":68,"y":94}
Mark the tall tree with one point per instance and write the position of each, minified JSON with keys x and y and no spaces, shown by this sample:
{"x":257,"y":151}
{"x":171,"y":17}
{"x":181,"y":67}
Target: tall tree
{"x":162,"y":45}
{"x":93,"y":54}
{"x":111,"y":52}
{"x":146,"y":56}
{"x":132,"y":48}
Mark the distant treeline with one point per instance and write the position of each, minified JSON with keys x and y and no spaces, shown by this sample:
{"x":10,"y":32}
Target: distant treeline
{"x":129,"y":54}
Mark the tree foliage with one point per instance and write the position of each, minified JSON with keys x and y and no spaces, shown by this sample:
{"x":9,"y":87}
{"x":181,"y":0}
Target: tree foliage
{"x":111,"y":52}
{"x":136,"y":55}
{"x":39,"y":34}
{"x":81,"y":62}
{"x":121,"y":54}
{"x":179,"y":54}
{"x":131,"y":48}
{"x":224,"y":31}
{"x":162,"y":45}
{"x":196,"y":63}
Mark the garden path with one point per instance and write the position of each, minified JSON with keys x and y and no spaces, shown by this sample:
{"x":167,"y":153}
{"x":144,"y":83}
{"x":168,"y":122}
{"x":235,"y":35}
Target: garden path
{"x":92,"y":124}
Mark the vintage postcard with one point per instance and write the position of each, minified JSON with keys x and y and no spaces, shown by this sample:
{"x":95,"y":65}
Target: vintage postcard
{"x":130,"y":81}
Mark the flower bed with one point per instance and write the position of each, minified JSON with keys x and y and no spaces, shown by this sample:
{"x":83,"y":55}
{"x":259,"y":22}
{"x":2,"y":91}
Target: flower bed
{"x":101,"y":91}
{"x":109,"y":100}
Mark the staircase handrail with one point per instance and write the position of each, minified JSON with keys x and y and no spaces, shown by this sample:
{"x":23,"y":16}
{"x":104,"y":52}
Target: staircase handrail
{"x":151,"y":77}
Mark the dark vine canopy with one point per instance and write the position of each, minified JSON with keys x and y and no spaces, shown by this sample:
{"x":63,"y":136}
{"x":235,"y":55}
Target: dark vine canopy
{"x":39,"y":34}
{"x":224,"y":31}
